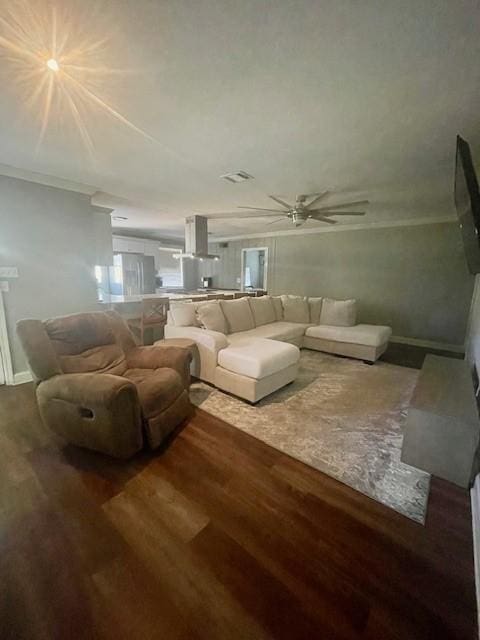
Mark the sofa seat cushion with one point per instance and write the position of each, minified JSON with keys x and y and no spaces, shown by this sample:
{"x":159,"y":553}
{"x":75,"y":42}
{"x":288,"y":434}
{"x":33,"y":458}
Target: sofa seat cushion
{"x":257,"y":357}
{"x":365,"y":334}
{"x":275,"y":330}
{"x":157,"y":388}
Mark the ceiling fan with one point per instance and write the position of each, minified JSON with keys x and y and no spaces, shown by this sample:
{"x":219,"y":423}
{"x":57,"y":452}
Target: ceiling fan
{"x":299,"y":212}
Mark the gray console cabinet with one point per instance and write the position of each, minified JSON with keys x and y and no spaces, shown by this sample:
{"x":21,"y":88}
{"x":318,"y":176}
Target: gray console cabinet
{"x":442,"y":429}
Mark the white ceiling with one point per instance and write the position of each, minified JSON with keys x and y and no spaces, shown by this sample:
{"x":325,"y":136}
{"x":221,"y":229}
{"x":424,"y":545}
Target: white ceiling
{"x":362,"y":98}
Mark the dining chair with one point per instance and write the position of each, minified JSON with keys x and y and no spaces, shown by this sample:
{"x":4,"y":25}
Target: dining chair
{"x":154,"y":316}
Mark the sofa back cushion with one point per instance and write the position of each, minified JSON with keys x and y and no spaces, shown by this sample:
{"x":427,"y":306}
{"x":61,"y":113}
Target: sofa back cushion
{"x":315,"y":306}
{"x":238,"y":314}
{"x":85,"y":342}
{"x":210,"y":316}
{"x":183,"y":314}
{"x":262,"y":310}
{"x":339,"y":313}
{"x":278,"y":307}
{"x":295,"y":309}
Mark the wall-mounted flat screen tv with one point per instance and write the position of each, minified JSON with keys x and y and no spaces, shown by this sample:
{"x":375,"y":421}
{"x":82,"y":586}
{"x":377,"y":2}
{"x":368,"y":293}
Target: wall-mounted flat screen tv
{"x":467,"y":203}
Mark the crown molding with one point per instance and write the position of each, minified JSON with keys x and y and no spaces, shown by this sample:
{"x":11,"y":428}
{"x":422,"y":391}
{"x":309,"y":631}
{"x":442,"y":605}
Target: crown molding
{"x":409,"y":222}
{"x":47,"y":180}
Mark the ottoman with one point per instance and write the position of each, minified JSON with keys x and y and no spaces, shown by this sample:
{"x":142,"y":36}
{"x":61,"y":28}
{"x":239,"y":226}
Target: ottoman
{"x":255,"y":367}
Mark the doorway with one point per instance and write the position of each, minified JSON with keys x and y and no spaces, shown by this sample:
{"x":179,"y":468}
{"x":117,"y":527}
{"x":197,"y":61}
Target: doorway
{"x":254,"y":268}
{"x":6,"y":370}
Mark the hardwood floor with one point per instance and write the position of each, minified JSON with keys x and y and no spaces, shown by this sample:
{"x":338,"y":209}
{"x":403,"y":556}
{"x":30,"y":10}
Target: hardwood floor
{"x":216,"y":537}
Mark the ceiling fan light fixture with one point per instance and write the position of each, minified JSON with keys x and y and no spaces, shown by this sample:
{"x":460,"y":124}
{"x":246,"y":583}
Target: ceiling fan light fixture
{"x":237,"y":177}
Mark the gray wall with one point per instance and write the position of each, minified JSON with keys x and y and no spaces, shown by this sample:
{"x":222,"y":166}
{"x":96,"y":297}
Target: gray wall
{"x":414,"y":278}
{"x":48,"y":234}
{"x":473,"y":338}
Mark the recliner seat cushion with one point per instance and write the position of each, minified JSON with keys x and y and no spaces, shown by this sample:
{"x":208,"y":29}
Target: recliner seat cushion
{"x":258,"y":358}
{"x":262,"y":309}
{"x":365,"y":334}
{"x":238,"y":314}
{"x":157,"y":388}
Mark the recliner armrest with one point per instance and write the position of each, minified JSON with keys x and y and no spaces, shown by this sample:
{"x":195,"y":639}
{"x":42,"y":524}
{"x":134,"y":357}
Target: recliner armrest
{"x":157,"y":357}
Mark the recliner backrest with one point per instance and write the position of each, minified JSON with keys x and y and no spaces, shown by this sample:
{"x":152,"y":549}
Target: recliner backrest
{"x":85,"y":342}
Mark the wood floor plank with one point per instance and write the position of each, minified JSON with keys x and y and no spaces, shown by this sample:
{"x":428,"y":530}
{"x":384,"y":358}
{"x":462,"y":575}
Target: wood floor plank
{"x":218,"y":536}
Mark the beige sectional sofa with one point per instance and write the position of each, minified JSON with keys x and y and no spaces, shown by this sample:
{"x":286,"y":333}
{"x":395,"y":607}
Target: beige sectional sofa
{"x":250,"y":346}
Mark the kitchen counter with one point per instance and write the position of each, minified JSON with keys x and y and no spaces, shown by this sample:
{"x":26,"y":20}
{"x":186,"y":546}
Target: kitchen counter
{"x":112,"y":299}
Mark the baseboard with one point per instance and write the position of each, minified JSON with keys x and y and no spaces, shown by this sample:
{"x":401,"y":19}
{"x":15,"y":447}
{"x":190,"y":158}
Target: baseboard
{"x":429,"y":344}
{"x":475,"y":501}
{"x":22,"y":377}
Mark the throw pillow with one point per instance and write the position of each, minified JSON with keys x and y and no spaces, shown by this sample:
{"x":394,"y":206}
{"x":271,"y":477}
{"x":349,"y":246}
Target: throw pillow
{"x":263,"y":310}
{"x":295,"y":309}
{"x":238,"y":314}
{"x":183,"y":314}
{"x":315,"y":305}
{"x":278,"y":308}
{"x":339,"y":313}
{"x":211,"y":317}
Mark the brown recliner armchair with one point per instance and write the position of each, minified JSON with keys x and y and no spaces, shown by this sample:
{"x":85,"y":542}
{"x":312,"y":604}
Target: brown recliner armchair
{"x":98,"y":390}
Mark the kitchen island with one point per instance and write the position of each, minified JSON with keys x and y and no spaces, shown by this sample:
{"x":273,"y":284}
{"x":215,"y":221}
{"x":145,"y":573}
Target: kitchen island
{"x":113,"y":300}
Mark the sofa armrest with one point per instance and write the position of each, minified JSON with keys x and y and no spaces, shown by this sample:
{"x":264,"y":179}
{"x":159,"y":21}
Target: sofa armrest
{"x":209,"y":343}
{"x":95,"y":410}
{"x":161,"y":356}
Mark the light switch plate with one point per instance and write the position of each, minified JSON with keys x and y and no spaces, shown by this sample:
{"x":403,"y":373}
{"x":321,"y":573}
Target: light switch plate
{"x":8,"y":272}
{"x":4,"y":286}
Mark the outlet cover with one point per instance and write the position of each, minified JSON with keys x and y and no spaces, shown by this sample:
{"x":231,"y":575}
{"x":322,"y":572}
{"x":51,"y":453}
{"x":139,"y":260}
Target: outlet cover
{"x":8,"y":272}
{"x":4,"y":286}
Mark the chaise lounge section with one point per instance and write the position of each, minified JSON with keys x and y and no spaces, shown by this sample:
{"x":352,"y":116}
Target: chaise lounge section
{"x":250,"y":346}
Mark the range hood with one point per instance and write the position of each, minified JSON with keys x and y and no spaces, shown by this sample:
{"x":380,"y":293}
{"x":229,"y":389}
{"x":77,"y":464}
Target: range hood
{"x":196,"y":239}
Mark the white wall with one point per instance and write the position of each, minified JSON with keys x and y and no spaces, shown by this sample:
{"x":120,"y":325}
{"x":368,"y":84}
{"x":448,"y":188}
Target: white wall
{"x":48,"y":234}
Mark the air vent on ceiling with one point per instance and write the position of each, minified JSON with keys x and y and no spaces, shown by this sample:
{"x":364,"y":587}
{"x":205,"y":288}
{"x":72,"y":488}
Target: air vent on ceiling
{"x":239,"y":176}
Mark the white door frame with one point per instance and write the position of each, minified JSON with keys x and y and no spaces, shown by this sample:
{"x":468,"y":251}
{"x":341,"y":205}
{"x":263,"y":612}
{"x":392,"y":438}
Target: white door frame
{"x":265,"y":266}
{"x":5,"y":354}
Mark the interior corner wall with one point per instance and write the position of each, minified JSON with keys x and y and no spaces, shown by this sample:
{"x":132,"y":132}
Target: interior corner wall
{"x":412,"y":278}
{"x":48,"y":234}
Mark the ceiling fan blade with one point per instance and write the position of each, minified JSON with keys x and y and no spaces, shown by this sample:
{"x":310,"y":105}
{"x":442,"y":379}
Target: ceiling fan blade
{"x":322,"y":219}
{"x":315,"y":200}
{"x":329,"y":212}
{"x":239,"y":215}
{"x":261,"y":209}
{"x":344,"y":204}
{"x":278,"y":220}
{"x":282,"y":202}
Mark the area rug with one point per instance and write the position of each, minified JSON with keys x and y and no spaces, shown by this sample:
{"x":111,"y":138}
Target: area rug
{"x":342,"y":417}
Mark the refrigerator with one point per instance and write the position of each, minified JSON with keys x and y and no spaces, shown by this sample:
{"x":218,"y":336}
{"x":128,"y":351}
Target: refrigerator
{"x":131,"y":274}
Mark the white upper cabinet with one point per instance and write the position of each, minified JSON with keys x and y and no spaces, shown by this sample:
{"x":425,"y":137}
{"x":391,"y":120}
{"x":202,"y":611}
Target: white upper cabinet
{"x":128,"y":245}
